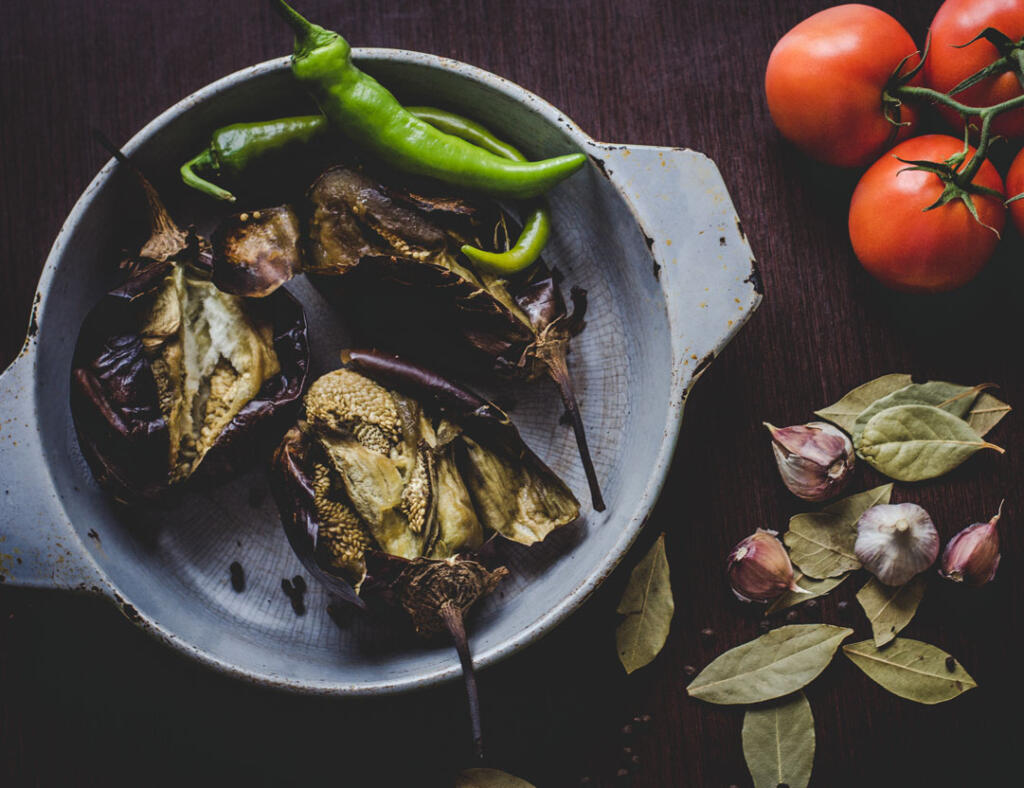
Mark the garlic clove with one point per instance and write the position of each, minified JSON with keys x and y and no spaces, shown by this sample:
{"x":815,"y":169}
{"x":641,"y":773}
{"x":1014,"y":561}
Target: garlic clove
{"x":814,"y":459}
{"x":759,"y":568}
{"x":972,"y":556}
{"x":896,"y":541}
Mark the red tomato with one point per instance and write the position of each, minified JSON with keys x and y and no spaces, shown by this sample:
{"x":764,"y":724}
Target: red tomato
{"x":1015,"y":186}
{"x":908,"y":248}
{"x":825,"y":80}
{"x":956,"y":23}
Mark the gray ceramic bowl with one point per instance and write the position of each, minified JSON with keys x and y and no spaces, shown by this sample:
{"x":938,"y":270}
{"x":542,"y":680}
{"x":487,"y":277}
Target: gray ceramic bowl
{"x":651,"y":234}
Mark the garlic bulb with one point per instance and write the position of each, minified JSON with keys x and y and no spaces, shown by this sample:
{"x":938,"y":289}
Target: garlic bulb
{"x":972,"y":556}
{"x":759,"y":568}
{"x":814,"y":459}
{"x":896,"y":541}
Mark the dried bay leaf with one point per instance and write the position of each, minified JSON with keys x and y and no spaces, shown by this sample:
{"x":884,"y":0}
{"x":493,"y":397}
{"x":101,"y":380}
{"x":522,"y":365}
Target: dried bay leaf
{"x":911,"y":669}
{"x":986,"y":413}
{"x":489,"y":778}
{"x":889,"y":608}
{"x":911,"y":443}
{"x":950,"y":397}
{"x":648,"y":606}
{"x":778,"y":663}
{"x":852,"y":507}
{"x":821,"y":544}
{"x":845,"y":412}
{"x":814,"y":588}
{"x":778,"y":743}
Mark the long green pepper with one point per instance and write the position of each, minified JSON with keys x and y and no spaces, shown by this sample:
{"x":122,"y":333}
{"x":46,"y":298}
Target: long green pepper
{"x":536,"y":227}
{"x":367,"y":113}
{"x":235,"y":147}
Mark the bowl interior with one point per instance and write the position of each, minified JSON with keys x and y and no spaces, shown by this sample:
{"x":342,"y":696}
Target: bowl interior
{"x":172,"y":563}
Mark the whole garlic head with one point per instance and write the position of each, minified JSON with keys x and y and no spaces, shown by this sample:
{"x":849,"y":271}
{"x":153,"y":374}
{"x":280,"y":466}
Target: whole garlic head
{"x":896,"y":541}
{"x":814,"y":459}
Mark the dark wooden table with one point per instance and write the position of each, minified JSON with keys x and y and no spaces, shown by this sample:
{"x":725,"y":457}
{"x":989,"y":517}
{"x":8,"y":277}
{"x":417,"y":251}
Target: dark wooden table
{"x":88,"y":700}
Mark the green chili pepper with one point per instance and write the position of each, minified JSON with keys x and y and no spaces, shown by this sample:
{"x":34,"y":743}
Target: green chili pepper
{"x":234,"y":147}
{"x":536,"y":228}
{"x":370,"y":116}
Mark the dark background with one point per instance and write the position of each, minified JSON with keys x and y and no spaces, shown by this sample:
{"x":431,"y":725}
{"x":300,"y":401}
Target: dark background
{"x":88,"y":700}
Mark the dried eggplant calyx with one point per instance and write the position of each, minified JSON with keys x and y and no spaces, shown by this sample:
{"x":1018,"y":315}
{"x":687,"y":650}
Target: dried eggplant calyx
{"x":437,"y":595}
{"x":170,"y":373}
{"x":409,"y":287}
{"x":435,"y":592}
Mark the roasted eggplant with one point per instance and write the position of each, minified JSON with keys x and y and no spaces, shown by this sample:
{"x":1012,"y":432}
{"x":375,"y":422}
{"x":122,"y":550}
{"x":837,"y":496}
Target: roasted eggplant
{"x":390,"y":258}
{"x":394,"y":458}
{"x":394,"y":480}
{"x":173,"y":379}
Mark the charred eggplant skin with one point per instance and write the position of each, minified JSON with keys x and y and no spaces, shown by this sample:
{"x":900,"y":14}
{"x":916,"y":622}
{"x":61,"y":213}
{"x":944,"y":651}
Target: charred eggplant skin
{"x":292,"y":487}
{"x":255,"y":252}
{"x":408,"y":291}
{"x":432,"y":390}
{"x":293,"y":463}
{"x":114,"y":402}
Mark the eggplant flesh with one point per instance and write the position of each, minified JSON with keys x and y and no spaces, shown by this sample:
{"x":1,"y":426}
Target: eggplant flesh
{"x":391,"y":260}
{"x":256,"y":251}
{"x":173,"y":379}
{"x":393,"y":458}
{"x":357,"y":225}
{"x":397,"y":272}
{"x":209,"y":357}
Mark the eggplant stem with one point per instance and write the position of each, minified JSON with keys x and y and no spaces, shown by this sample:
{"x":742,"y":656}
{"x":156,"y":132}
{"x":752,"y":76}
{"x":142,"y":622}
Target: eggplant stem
{"x":166,"y":238}
{"x":452,"y":617}
{"x":558,"y":369}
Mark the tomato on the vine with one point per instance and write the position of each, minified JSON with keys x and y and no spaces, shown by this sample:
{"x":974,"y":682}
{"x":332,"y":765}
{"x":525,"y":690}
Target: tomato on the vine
{"x":912,"y":249}
{"x":947,"y":64}
{"x":825,"y":82}
{"x":1015,"y":186}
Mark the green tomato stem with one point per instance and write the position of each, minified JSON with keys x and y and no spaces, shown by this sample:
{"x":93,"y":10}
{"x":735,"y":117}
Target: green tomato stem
{"x":915,"y":92}
{"x":985,"y":114}
{"x":966,"y":175}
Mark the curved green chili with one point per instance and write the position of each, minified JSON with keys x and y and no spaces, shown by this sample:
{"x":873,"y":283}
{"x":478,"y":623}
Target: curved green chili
{"x":367,"y":113}
{"x":234,"y":147}
{"x":466,"y":129}
{"x":536,"y":227}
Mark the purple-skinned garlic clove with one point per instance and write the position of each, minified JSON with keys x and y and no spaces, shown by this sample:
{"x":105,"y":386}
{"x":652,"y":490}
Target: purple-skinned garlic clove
{"x":759,"y":568}
{"x":972,"y":556}
{"x":815,"y":460}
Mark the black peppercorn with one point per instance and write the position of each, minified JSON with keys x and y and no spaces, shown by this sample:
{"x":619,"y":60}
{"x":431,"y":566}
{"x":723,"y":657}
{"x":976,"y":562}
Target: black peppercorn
{"x":237,"y":576}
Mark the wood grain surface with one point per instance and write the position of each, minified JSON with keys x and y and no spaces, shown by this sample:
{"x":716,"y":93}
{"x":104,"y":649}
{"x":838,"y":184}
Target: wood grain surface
{"x":86,"y":699}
